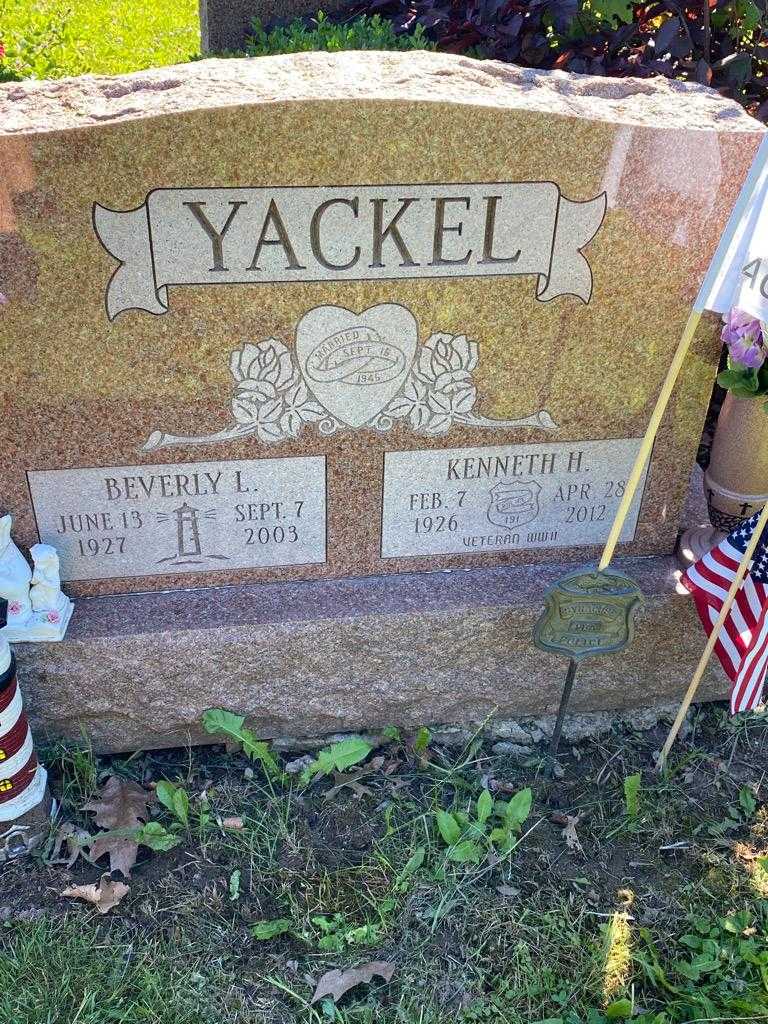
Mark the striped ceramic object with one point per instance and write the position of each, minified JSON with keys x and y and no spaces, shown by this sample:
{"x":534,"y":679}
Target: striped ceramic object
{"x":24,"y":799}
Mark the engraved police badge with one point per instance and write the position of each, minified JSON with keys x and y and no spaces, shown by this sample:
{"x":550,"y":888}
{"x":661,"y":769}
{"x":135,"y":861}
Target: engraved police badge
{"x":588,"y":612}
{"x":514,"y":504}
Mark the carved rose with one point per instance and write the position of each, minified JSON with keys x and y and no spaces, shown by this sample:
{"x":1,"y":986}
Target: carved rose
{"x":444,"y":353}
{"x":270,"y":397}
{"x":299,"y":409}
{"x":269,"y":362}
{"x":447,"y":363}
{"x":441,"y":388}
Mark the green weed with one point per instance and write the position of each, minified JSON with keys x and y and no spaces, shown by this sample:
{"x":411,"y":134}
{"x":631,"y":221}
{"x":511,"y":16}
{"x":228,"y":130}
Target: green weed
{"x":175,"y":799}
{"x":363,"y":33}
{"x":77,"y":767}
{"x":224,"y":723}
{"x":337,"y":758}
{"x":737,"y":814}
{"x":52,"y":38}
{"x":632,"y":785}
{"x":495,"y":825}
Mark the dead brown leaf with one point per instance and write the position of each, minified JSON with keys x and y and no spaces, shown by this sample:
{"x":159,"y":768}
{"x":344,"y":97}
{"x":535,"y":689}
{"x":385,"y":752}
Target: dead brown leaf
{"x":336,"y":983}
{"x":569,"y":821}
{"x":75,"y":839}
{"x":352,"y":779}
{"x":104,"y":896}
{"x":122,"y":805}
{"x":232,"y":823}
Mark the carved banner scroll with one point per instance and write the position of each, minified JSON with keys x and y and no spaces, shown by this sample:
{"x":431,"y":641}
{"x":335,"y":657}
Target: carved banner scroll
{"x":198,"y":236}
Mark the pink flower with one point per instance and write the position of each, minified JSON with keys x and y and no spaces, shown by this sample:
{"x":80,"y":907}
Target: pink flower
{"x":743,"y":334}
{"x":14,"y":608}
{"x":53,"y":616}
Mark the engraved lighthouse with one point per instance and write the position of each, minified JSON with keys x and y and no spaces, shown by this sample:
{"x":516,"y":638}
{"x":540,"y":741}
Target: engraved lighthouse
{"x":189,"y":544}
{"x":187,"y":531}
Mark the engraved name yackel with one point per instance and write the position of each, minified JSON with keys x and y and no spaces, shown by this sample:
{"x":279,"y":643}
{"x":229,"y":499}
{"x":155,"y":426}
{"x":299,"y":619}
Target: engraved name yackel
{"x":199,"y":236}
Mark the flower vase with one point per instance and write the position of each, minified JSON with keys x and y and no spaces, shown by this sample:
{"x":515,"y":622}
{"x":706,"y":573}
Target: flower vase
{"x":736,"y":480}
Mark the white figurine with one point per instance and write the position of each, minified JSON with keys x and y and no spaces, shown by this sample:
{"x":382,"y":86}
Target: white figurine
{"x":46,"y":583}
{"x":15,"y":576}
{"x":42,"y":613}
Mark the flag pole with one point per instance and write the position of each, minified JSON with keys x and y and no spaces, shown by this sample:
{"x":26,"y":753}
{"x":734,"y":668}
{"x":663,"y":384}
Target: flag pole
{"x":714,"y":635}
{"x":700,"y":304}
{"x":650,"y":436}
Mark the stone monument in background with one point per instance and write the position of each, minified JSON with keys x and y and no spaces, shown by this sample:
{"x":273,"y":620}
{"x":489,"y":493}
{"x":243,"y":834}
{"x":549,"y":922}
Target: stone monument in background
{"x":288,"y":338}
{"x":225,"y":24}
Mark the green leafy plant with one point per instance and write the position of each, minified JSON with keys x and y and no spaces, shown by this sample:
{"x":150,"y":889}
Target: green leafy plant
{"x":421,"y":742}
{"x":219,"y":722}
{"x":264,"y":930}
{"x":363,"y":33}
{"x":153,"y":835}
{"x":52,"y":38}
{"x":334,"y":934}
{"x":414,"y":862}
{"x":337,"y":758}
{"x":632,"y":785}
{"x":720,"y":972}
{"x":176,"y":799}
{"x":737,"y":815}
{"x":743,"y":381}
{"x":495,"y":826}
{"x":36,"y":46}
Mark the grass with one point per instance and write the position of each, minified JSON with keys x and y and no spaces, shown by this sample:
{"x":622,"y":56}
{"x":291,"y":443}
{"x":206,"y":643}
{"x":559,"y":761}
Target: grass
{"x":660,"y":917}
{"x":53,"y":38}
{"x":63,"y":973}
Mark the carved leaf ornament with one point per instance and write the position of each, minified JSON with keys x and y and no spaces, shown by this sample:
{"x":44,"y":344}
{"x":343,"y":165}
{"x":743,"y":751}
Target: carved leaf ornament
{"x":346,"y":379}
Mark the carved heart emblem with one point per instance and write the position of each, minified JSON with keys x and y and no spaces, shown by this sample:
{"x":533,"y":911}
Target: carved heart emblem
{"x":355,"y":363}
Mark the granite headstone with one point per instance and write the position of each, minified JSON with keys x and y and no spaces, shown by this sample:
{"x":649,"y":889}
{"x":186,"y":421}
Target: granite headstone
{"x":324,"y":317}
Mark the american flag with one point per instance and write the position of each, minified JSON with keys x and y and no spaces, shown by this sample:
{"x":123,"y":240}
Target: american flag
{"x":743,"y":643}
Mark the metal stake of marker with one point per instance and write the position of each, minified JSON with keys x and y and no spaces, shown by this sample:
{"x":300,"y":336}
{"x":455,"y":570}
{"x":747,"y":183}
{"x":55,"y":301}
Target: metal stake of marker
{"x":570,"y":676}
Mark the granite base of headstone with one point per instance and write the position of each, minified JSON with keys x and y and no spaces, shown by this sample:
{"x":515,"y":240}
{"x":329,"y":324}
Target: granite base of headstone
{"x":309,"y":659}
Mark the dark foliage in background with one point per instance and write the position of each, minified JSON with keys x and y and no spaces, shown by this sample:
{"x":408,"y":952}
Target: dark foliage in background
{"x":720,"y":43}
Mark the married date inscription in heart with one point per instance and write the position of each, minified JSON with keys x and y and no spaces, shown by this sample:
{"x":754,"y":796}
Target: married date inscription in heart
{"x":355,"y":363}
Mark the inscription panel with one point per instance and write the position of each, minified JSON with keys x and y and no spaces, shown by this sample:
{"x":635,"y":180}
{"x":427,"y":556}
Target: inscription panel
{"x":124,"y":521}
{"x":475,"y":501}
